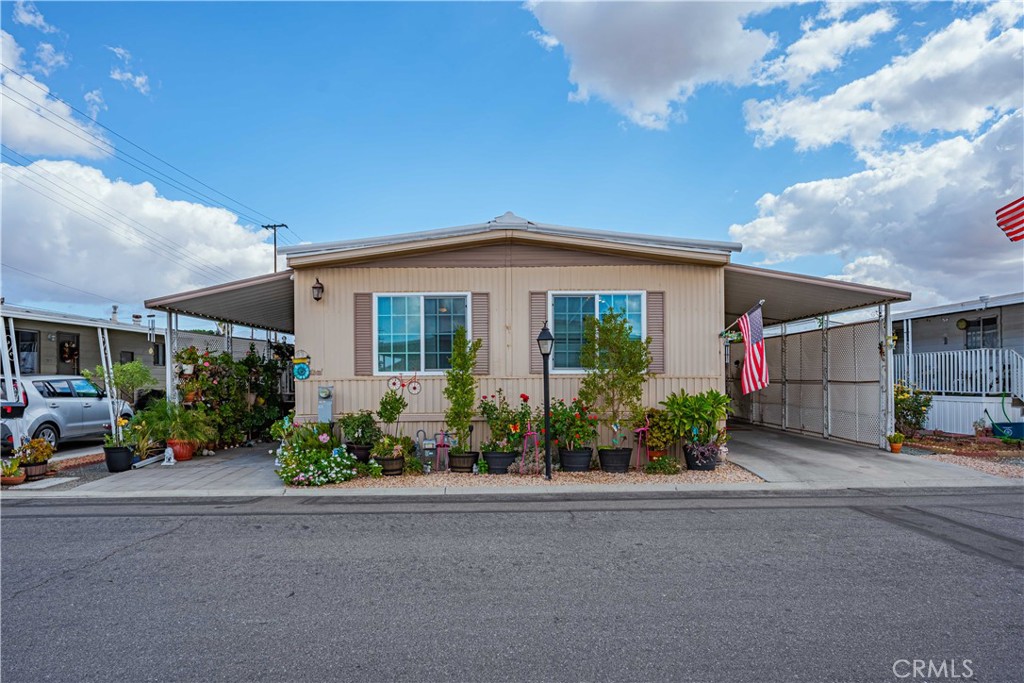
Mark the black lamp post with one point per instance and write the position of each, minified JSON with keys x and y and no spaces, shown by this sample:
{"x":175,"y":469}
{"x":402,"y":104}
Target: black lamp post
{"x":546,"y":341}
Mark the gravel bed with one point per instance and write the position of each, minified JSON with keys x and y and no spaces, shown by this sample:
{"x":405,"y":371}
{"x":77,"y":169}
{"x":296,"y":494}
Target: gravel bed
{"x":723,"y":474}
{"x":1009,"y":468}
{"x":87,"y":468}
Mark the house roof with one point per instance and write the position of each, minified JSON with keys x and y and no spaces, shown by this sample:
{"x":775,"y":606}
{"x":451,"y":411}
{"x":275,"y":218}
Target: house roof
{"x":510,"y":228}
{"x":265,"y":302}
{"x":41,"y":315}
{"x":790,"y":296}
{"x":978,"y":304}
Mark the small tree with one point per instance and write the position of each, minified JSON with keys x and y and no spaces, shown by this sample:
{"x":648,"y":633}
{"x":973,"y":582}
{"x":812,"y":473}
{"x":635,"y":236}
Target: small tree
{"x":617,"y":367}
{"x":392,"y":405}
{"x":460,"y":388}
{"x":128,"y":378}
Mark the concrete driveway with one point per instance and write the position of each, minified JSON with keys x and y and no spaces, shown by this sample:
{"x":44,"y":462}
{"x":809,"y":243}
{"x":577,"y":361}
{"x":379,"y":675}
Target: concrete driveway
{"x":815,"y":463}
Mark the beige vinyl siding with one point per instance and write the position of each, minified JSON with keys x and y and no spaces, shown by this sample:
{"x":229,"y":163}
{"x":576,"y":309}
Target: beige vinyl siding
{"x":693,"y":314}
{"x":88,"y":345}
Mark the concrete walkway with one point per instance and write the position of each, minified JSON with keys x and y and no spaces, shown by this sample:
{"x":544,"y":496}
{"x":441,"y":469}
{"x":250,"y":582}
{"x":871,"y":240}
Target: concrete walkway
{"x":785,"y":461}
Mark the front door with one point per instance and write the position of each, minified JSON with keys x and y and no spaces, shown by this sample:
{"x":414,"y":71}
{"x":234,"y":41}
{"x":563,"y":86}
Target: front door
{"x":67,"y":353}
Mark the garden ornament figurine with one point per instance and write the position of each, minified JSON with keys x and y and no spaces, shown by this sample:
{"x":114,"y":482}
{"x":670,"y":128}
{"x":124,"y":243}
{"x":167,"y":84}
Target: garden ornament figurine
{"x":169,"y":456}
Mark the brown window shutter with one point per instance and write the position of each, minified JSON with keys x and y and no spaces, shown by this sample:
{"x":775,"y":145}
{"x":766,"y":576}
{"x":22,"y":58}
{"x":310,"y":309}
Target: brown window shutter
{"x":481,"y":307}
{"x":656,"y":330}
{"x":363,"y":331}
{"x":538,"y":316}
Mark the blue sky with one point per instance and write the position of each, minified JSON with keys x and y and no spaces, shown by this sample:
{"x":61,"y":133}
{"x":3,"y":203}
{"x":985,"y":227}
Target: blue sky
{"x":718,"y":121}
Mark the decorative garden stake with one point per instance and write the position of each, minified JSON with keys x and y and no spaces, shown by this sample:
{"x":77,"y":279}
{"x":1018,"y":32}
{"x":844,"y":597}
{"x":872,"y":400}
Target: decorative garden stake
{"x":641,"y":440}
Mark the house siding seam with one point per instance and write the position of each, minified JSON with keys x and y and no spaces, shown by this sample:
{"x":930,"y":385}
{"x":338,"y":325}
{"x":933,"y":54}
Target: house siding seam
{"x":363,"y":334}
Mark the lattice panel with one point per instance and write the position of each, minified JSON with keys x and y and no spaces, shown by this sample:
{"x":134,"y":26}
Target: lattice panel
{"x":770,"y":405}
{"x":842,"y":354}
{"x":810,"y":355}
{"x":868,"y":358}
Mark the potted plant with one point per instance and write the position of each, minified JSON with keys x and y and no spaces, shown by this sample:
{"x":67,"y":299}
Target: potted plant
{"x":980,"y":427}
{"x":182,"y":428}
{"x":617,"y":366}
{"x":460,"y":390}
{"x":12,"y":472}
{"x":35,"y":456}
{"x":660,"y":434}
{"x":389,"y":450}
{"x":362,"y":432}
{"x":574,"y":429}
{"x":117,"y":449}
{"x":696,"y":419}
{"x":507,"y":427}
{"x":895,"y":442}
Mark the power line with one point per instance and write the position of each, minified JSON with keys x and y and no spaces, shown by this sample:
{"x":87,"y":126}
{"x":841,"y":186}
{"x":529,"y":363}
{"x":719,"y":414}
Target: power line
{"x":47,"y":92}
{"x":212,"y":268}
{"x":61,"y":284}
{"x":142,"y":243}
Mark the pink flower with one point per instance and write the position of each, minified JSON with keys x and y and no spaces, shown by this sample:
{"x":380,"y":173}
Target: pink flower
{"x":214,"y":381}
{"x":324,"y":438}
{"x":206,"y":363}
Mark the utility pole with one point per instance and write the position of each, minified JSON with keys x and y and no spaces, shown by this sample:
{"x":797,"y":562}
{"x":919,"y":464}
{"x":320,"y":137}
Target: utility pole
{"x":274,"y":228}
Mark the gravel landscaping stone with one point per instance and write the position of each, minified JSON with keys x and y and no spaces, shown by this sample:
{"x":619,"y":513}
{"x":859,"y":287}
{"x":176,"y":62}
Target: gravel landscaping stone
{"x":1010,"y":468}
{"x":723,"y":474}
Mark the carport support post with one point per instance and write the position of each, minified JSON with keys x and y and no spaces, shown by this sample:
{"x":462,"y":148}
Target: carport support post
{"x":886,"y":407}
{"x":785,"y":384}
{"x":170,"y":350}
{"x":826,"y":422}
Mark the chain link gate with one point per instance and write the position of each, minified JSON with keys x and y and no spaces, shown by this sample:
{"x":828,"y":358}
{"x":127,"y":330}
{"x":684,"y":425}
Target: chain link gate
{"x":829,"y":382}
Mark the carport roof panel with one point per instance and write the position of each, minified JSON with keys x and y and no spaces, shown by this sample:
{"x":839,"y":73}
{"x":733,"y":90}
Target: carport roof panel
{"x":266,"y":302}
{"x":789,"y":296}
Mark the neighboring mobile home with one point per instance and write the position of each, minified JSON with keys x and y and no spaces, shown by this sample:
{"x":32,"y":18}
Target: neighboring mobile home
{"x":969,"y":354}
{"x":387,"y":306}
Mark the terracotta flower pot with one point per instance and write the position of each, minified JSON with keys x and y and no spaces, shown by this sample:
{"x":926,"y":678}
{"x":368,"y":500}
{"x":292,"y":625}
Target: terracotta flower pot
{"x":183,"y":450}
{"x":13,"y":480}
{"x":896,"y":447}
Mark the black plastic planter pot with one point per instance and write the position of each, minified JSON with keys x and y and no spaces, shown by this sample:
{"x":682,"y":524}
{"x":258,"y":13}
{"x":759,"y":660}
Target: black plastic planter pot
{"x":119,"y":458}
{"x":577,"y":460}
{"x":497,"y":461}
{"x":393,"y":467}
{"x":691,"y":461}
{"x":614,"y":459}
{"x":361,"y":453}
{"x":463,"y":462}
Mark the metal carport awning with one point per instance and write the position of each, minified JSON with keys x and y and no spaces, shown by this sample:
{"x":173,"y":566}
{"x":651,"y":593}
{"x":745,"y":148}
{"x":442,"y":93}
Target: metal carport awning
{"x":790,"y":297}
{"x":265,"y":302}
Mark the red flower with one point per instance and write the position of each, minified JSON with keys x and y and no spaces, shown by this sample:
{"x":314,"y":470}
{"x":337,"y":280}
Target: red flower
{"x":554,"y":441}
{"x":524,"y":398}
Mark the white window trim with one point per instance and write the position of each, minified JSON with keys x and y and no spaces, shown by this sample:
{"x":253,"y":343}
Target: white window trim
{"x":596,"y":293}
{"x":423,"y":352}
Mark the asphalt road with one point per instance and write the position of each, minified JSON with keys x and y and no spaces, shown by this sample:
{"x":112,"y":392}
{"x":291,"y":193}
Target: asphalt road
{"x":723,"y":588}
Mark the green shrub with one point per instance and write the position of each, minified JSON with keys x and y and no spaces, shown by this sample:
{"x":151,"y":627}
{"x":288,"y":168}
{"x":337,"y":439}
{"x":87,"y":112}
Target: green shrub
{"x":663,"y":465}
{"x":911,"y":409}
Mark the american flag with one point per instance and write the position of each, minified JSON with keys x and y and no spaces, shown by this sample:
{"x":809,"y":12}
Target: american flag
{"x":755,"y":369}
{"x":1010,"y":219}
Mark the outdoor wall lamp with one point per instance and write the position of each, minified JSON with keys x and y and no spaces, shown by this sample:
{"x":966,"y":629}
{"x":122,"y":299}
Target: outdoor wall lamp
{"x":318,"y":290}
{"x":545,"y":342}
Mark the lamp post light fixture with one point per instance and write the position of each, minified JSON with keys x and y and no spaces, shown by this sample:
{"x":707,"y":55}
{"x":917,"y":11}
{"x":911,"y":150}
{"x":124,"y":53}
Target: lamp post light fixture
{"x":318,"y":290}
{"x":546,"y":341}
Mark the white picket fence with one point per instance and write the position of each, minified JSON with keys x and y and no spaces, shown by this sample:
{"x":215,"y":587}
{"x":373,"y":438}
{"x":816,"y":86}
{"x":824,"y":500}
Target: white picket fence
{"x":973,"y":372}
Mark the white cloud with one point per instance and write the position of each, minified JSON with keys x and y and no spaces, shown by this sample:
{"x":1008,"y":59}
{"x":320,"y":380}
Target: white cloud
{"x":138,"y":81}
{"x":121,"y":54}
{"x":646,"y":59}
{"x":961,"y":78}
{"x":822,"y":49}
{"x":48,"y":59}
{"x":94,"y":102}
{"x":546,"y":41}
{"x":920,"y":218}
{"x":27,"y":14}
{"x":109,"y":257}
{"x":837,"y":9}
{"x":35,"y":123}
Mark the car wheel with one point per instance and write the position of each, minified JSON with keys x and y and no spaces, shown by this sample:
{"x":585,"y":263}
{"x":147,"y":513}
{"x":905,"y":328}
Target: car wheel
{"x":48,"y":432}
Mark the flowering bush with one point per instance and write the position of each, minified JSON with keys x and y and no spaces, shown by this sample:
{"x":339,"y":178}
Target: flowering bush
{"x":508,"y":425}
{"x":35,"y":452}
{"x":573,"y":424}
{"x":310,"y":455}
{"x":911,"y":409}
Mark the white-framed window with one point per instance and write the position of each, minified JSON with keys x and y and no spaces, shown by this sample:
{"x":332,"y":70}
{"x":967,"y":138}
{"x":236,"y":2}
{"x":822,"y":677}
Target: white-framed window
{"x":567,"y":312}
{"x":414,"y":332}
{"x":28,"y":351}
{"x":983,"y":333}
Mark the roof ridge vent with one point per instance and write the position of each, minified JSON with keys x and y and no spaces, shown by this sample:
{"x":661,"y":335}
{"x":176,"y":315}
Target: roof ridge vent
{"x":509,"y":221}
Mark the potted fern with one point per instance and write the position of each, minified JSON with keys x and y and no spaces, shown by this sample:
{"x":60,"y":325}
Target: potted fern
{"x":617,"y":367}
{"x":460,"y":390}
